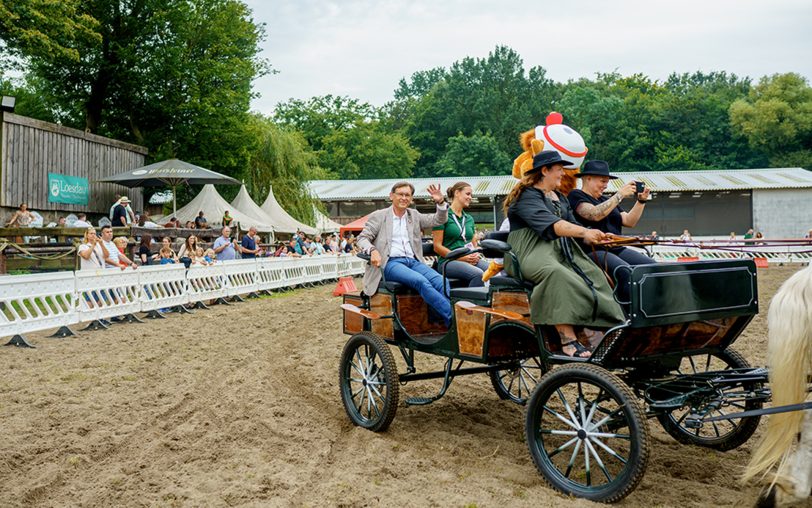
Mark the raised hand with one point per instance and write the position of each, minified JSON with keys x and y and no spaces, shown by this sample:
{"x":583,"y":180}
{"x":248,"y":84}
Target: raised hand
{"x":436,"y":193}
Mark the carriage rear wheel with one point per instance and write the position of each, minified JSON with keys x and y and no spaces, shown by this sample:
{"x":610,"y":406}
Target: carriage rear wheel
{"x":517,"y":384}
{"x":368,"y":377}
{"x":587,"y":433}
{"x":725,"y":434}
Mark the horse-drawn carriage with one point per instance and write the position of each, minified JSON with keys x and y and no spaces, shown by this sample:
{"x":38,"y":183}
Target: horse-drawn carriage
{"x":586,"y":419}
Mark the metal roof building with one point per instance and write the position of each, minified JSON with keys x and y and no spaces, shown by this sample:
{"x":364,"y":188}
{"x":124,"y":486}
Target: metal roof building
{"x":775,"y":201}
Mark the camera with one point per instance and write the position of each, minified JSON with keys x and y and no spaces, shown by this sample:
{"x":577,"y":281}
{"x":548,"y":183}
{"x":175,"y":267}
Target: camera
{"x":639,"y":186}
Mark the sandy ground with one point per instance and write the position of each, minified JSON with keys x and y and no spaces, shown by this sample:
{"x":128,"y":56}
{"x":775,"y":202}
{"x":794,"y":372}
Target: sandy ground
{"x":240,"y":405}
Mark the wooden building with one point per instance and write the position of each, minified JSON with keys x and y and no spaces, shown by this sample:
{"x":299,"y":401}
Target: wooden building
{"x":35,"y":156}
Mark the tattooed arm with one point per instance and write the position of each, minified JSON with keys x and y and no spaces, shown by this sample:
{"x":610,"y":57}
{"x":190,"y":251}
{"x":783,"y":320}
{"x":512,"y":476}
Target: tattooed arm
{"x":595,"y":213}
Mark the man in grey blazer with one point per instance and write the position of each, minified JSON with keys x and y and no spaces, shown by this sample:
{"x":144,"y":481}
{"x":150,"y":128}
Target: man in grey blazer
{"x":392,"y":238}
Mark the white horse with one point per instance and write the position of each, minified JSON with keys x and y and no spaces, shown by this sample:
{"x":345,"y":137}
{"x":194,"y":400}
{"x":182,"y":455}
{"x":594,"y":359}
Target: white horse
{"x":789,"y":357}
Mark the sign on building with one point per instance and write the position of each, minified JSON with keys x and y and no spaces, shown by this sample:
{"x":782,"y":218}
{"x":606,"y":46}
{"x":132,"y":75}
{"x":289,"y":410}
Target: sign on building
{"x":71,"y":190}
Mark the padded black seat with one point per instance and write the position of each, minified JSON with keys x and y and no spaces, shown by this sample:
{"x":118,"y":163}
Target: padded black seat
{"x":394,"y":287}
{"x":510,"y":282}
{"x":470,"y":293}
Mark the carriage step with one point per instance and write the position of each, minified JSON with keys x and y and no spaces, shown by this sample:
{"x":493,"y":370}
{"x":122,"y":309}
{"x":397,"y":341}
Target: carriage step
{"x":420,"y":401}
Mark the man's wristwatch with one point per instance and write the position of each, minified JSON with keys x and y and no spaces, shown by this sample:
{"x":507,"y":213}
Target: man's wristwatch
{"x":642,"y":201}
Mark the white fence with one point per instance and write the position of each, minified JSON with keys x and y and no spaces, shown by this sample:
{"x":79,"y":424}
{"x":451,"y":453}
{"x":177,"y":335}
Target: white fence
{"x":773,"y":254}
{"x":30,"y":303}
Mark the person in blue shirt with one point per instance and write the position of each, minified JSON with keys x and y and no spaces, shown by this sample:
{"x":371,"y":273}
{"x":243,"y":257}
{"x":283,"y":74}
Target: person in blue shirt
{"x":224,"y":246}
{"x":248,"y":245}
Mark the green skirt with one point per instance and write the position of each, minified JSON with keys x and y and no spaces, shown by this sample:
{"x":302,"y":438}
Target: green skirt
{"x":561,"y":296}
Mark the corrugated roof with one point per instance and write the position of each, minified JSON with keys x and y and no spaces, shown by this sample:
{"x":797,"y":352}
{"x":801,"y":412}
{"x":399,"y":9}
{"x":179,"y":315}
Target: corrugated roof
{"x":662,"y":181}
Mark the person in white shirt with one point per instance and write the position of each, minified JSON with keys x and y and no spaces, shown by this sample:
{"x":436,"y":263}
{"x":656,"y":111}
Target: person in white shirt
{"x":92,"y":252}
{"x":81,"y":221}
{"x":114,"y":258}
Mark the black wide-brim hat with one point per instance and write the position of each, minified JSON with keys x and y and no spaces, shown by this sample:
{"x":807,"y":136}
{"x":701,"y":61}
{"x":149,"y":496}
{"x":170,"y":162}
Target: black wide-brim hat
{"x":596,"y":168}
{"x":548,"y":158}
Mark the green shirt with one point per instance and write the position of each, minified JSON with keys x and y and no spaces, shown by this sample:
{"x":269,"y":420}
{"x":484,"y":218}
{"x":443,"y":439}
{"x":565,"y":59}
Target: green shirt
{"x":452,"y":236}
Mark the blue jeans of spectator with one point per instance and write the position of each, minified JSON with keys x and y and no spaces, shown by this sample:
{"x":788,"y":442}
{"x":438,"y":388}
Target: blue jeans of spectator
{"x":414,"y":274}
{"x":614,"y":258}
{"x":470,"y":275}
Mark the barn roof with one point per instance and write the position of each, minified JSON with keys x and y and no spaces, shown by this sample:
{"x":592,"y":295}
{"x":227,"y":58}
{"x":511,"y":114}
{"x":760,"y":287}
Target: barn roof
{"x":658,"y":181}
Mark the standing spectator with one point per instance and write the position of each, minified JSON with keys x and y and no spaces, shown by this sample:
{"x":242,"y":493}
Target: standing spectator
{"x":732,"y":236}
{"x":686,"y":236}
{"x":114,"y":258}
{"x":120,"y":213}
{"x":248,"y":246}
{"x":92,"y":252}
{"x":115,"y":204}
{"x":227,"y":219}
{"x":22,"y":218}
{"x":654,"y":235}
{"x":280,"y":252}
{"x":224,"y":246}
{"x":81,"y":221}
{"x":200,"y":221}
{"x":129,"y":216}
{"x":749,"y":235}
{"x":349,"y":247}
{"x":316,"y":247}
{"x":808,"y":234}
{"x":144,"y":249}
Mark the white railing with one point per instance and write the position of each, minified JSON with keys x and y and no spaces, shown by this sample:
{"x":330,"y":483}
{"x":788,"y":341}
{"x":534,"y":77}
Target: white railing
{"x":773,"y":254}
{"x":30,"y":303}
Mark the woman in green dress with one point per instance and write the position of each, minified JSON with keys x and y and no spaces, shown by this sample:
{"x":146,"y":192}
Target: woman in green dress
{"x":570,"y":290}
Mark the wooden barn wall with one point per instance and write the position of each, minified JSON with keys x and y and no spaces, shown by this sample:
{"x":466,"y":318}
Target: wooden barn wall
{"x":30,"y":149}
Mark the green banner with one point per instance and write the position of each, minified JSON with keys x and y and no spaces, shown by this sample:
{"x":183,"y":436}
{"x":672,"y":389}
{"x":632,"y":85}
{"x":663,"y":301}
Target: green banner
{"x":71,"y":190}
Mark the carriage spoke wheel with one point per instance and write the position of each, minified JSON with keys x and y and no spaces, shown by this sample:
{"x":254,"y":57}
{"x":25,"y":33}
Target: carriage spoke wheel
{"x":369,"y":381}
{"x":517,"y":384}
{"x":587,"y":433}
{"x":725,"y":434}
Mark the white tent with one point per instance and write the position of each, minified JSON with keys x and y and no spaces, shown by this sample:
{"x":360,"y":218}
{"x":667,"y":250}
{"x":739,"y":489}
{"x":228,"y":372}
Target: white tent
{"x":214,"y":206}
{"x":245,"y":204}
{"x":282,"y":221}
{"x":325,"y":224}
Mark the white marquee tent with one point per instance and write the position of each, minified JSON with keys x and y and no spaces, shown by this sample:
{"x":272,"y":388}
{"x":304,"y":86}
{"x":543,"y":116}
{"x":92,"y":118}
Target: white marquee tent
{"x":282,"y":221}
{"x":214,"y":206}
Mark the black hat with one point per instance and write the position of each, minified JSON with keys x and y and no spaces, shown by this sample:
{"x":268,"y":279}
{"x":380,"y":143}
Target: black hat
{"x":596,"y":168}
{"x":548,"y":158}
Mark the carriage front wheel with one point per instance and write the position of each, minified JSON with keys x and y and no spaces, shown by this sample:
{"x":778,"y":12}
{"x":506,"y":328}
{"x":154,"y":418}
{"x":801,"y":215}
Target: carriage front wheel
{"x":368,"y":377}
{"x":587,"y":433}
{"x":517,"y":383}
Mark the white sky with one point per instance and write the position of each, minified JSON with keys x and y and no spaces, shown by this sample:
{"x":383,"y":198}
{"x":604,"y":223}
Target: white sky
{"x":362,"y":48}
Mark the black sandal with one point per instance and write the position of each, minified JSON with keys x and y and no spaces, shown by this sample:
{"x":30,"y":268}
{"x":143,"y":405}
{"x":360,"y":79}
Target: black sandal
{"x":580,"y":349}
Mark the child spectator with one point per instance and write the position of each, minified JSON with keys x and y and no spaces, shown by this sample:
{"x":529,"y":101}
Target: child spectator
{"x":166,"y":256}
{"x":200,"y":258}
{"x":121,"y":245}
{"x":209,"y":256}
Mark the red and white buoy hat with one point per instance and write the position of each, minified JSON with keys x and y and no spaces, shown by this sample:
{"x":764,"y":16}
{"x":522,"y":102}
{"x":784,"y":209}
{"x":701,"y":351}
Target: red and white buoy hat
{"x":563,"y":139}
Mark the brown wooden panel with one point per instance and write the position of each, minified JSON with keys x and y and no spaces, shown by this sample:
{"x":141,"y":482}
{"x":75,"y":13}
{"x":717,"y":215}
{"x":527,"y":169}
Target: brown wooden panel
{"x":413,"y":313}
{"x":470,"y":331}
{"x":513,"y":301}
{"x":638,"y":342}
{"x":382,"y":304}
{"x":353,"y":323}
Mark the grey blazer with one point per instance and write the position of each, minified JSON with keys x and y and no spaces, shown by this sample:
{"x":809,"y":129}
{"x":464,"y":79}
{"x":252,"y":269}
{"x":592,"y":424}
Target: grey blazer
{"x":378,"y":233}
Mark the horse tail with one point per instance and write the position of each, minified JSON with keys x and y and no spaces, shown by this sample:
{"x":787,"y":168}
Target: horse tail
{"x":789,"y":356}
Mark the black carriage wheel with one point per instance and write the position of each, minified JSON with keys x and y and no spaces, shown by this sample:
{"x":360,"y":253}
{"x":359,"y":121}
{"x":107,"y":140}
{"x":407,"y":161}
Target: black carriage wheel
{"x":725,"y":434}
{"x":368,"y":377}
{"x":517,"y":384}
{"x":587,"y":433}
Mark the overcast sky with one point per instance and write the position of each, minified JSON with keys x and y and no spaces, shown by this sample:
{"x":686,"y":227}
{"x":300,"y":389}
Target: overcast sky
{"x":362,"y":48}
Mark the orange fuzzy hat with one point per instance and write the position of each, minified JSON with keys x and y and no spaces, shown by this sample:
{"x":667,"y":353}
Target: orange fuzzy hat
{"x":554,"y":135}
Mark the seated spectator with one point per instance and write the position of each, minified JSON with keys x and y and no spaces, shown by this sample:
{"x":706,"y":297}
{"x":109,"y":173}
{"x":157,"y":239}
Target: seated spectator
{"x":808,"y":234}
{"x":227,"y":219}
{"x":281,"y":251}
{"x":144,"y":249}
{"x":81,"y":221}
{"x":166,"y":256}
{"x":200,"y":221}
{"x":189,"y":225}
{"x":187,"y":251}
{"x":166,"y":243}
{"x":294,"y":250}
{"x":172,"y":223}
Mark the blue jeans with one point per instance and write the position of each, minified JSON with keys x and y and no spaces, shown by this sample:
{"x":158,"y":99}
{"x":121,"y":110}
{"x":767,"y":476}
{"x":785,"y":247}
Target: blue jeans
{"x":414,"y":274}
{"x":471,"y":275}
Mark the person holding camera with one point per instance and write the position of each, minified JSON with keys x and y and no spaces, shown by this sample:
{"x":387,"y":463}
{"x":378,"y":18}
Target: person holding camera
{"x":595,"y":210}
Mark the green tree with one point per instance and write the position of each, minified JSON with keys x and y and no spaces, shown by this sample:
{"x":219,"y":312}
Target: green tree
{"x":45,"y":30}
{"x":319,"y":117}
{"x":174,"y":75}
{"x":776,"y":117}
{"x":281,"y":158}
{"x":477,"y":155}
{"x":367,"y":151}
